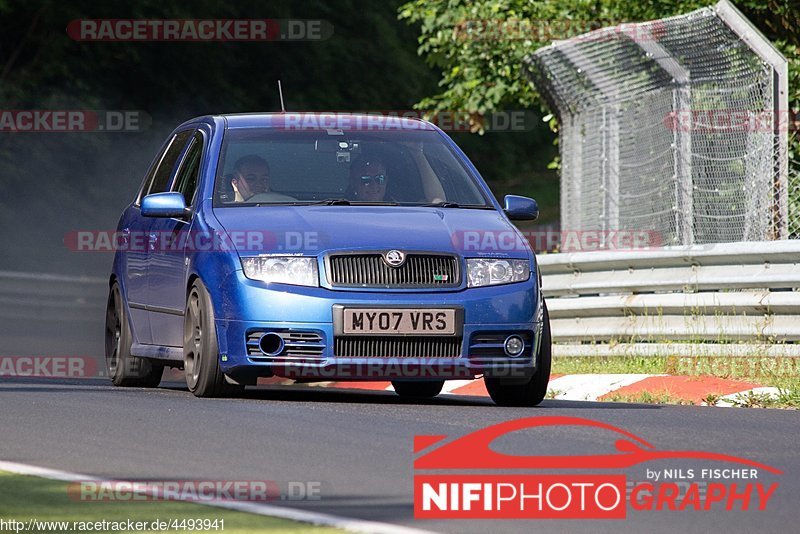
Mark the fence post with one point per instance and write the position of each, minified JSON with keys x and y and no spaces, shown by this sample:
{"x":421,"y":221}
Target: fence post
{"x":765,"y":50}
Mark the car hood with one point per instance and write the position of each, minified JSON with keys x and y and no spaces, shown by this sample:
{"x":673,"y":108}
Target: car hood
{"x":312,"y":230}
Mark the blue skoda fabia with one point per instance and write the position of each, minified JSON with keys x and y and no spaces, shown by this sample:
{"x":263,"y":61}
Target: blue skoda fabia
{"x":324,"y":247}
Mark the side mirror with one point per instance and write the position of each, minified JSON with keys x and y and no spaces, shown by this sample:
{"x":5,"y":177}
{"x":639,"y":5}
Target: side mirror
{"x":167,"y":205}
{"x":520,"y":208}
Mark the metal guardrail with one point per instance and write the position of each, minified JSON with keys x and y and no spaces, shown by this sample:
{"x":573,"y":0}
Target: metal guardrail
{"x":733,"y":299}
{"x":737,"y":299}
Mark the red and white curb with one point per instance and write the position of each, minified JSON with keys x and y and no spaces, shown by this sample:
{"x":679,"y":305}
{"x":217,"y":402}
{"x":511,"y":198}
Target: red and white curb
{"x":589,"y":387}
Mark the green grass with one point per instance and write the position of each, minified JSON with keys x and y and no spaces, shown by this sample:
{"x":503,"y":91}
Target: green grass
{"x":616,"y":365}
{"x":768,"y":371}
{"x":25,"y":497}
{"x":647,"y":397}
{"x":786,"y":398}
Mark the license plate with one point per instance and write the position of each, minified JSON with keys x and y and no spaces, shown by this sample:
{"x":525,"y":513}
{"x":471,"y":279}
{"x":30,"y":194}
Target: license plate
{"x":423,"y":322}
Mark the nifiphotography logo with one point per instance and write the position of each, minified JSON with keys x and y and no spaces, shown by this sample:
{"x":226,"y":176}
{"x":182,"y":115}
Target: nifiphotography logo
{"x":465,"y":478}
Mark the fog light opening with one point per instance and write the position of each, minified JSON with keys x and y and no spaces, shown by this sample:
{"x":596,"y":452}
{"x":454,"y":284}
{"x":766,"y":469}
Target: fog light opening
{"x":271,"y":344}
{"x":514,"y":345}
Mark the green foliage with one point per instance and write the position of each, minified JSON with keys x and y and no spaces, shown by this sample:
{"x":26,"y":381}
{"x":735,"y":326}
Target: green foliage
{"x":478,"y":46}
{"x":482,"y":67}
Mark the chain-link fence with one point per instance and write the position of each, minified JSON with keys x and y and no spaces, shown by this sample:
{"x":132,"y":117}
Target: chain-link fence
{"x":793,"y":207}
{"x":676,"y":126}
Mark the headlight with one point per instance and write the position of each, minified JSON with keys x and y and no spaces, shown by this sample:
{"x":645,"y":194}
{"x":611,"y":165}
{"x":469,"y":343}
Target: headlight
{"x":488,"y":272}
{"x":282,"y":270}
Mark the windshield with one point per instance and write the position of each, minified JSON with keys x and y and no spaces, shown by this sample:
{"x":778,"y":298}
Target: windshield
{"x":259,"y":166}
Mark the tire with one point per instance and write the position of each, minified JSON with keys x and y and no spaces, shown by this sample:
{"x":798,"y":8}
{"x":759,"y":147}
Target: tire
{"x":200,"y":349}
{"x":419,"y":390}
{"x":124,"y":369}
{"x":530,"y":393}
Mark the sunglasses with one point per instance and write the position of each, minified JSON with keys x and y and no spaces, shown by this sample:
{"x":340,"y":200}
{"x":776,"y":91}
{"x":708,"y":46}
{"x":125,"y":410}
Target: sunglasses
{"x":255,"y":179}
{"x":378,"y":179}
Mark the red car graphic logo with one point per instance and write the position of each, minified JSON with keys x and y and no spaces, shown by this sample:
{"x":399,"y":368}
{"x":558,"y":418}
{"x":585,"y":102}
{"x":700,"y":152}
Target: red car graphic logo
{"x":473,"y":450}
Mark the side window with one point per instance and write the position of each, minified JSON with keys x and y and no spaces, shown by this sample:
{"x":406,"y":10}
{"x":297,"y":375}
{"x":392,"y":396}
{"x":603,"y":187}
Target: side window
{"x":190,"y":169}
{"x":148,"y":180}
{"x":164,"y":171}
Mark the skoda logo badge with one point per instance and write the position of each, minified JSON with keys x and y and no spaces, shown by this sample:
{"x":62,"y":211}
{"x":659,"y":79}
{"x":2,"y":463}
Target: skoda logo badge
{"x":394,"y":258}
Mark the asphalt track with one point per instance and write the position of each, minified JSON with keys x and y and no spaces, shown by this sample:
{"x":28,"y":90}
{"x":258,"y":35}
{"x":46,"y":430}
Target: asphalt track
{"x":359,"y":445}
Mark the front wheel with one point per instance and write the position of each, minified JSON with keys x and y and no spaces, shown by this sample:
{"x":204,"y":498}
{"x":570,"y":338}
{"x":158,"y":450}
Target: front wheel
{"x":123,"y":368}
{"x":418,"y":390}
{"x":200,"y":349}
{"x":532,"y":392}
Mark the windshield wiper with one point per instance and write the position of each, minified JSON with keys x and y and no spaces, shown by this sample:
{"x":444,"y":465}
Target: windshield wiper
{"x":443,"y":204}
{"x":330,"y":202}
{"x":326,"y":202}
{"x":448,"y":204}
{"x":346,"y":202}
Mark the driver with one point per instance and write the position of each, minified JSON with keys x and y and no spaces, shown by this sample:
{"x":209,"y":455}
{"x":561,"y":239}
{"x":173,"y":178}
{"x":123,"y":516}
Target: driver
{"x":250,"y":177}
{"x":368,"y":179}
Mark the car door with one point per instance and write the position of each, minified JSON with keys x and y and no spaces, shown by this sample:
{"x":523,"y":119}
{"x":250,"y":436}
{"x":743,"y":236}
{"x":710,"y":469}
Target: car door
{"x":167,"y":259}
{"x":135,"y":235}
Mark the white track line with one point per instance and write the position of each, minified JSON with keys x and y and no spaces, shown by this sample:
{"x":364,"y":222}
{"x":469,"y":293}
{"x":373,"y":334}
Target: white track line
{"x":448,"y":389}
{"x":732,"y":398}
{"x":590,"y":387}
{"x":293,"y":514}
{"x":451,"y":385}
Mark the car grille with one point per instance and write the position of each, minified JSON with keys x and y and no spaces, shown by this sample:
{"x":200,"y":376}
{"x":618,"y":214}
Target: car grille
{"x":397,"y":347}
{"x":298,"y":346}
{"x":418,"y":271}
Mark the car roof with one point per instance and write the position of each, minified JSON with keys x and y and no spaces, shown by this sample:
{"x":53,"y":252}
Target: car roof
{"x":303,"y":120}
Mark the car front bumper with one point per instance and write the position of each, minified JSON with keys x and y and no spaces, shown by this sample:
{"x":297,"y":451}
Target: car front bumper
{"x":246,"y":309}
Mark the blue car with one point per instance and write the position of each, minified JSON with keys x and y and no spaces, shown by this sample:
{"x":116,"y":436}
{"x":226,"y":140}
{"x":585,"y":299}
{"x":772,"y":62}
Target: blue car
{"x":324,"y":247}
